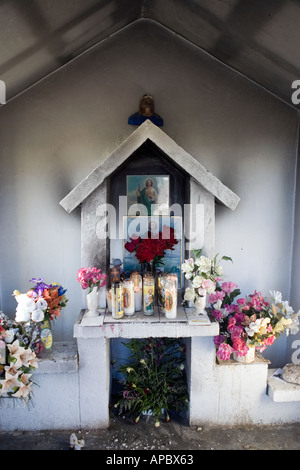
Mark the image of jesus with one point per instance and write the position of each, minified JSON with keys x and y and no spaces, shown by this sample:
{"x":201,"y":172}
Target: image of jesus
{"x":147,"y":196}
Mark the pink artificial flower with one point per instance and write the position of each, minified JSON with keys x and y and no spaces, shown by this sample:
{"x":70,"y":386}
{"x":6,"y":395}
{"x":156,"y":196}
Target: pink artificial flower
{"x":224,"y":352}
{"x":236,"y":331}
{"x":231,"y":322}
{"x":240,"y":347}
{"x":270,"y":340}
{"x":208,"y":284}
{"x":217,"y":314}
{"x":218,"y":295}
{"x":228,"y":287}
{"x":239,"y":317}
{"x":241,"y":301}
{"x":218,"y":340}
{"x":231,"y":308}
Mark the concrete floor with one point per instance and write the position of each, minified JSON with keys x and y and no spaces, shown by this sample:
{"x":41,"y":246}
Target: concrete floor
{"x":124,"y":435}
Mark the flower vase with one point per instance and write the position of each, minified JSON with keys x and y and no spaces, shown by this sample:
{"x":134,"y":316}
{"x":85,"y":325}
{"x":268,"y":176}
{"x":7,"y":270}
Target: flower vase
{"x":148,"y":268}
{"x":200,"y":304}
{"x":92,"y":302}
{"x":248,"y":357}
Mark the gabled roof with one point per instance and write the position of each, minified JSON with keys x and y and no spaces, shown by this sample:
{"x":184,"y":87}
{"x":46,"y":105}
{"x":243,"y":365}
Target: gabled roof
{"x":149,"y":131}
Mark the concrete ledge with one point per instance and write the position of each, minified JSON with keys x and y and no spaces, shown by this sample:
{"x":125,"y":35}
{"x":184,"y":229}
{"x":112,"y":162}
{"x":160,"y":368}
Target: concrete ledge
{"x":259,"y":359}
{"x":141,"y":326}
{"x":62,"y":358}
{"x":281,"y":391}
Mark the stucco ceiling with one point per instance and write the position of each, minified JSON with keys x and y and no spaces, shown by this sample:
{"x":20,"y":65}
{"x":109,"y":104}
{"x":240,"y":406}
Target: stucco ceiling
{"x":258,"y":38}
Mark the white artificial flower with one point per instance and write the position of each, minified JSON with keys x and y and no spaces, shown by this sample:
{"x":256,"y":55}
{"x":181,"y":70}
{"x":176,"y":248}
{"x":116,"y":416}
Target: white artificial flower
{"x":41,"y":303}
{"x":203,"y":263}
{"x":22,"y":315}
{"x":276,"y":296}
{"x":287,"y":309}
{"x":37,"y":315}
{"x":188,"y":265}
{"x":197,"y":281}
{"x":218,"y":270}
{"x":25,"y":302}
{"x":188,"y":275}
{"x":10,"y":334}
{"x":218,"y":304}
{"x":189,"y":293}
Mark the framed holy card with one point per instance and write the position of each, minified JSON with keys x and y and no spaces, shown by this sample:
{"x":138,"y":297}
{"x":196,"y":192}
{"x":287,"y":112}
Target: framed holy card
{"x":148,"y":194}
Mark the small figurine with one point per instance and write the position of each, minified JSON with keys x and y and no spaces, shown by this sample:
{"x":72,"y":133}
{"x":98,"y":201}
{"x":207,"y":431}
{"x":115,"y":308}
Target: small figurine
{"x":146,"y":111}
{"x":116,"y":272}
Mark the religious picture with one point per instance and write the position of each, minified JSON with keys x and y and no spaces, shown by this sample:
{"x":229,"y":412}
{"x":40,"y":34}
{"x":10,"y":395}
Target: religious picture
{"x":139,"y":227}
{"x":150,"y":191}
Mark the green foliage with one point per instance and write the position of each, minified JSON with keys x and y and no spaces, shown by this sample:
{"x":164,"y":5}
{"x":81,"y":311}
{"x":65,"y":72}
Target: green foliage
{"x":155,"y":378}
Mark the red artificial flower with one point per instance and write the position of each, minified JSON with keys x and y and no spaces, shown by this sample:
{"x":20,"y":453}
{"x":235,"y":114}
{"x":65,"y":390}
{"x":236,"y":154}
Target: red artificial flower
{"x":154,"y":246}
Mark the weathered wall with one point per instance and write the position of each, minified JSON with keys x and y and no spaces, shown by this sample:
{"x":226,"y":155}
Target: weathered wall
{"x":53,"y":135}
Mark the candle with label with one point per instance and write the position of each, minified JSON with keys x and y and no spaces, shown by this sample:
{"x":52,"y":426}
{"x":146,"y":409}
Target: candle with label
{"x":2,"y":352}
{"x":117,"y":300}
{"x":128,"y":296}
{"x":108,"y":300}
{"x":148,"y":294}
{"x":161,"y":279}
{"x":171,"y":284}
{"x":138,"y":292}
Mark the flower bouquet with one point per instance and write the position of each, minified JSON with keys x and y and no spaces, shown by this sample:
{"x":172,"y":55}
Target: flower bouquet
{"x":155,"y":380}
{"x":92,"y":279}
{"x":37,"y":308}
{"x":153,"y":247}
{"x":18,"y":360}
{"x":253,"y":321}
{"x":203,"y":275}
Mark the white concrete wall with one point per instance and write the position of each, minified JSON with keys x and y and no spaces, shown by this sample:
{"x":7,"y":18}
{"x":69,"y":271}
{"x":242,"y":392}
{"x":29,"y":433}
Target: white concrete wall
{"x":53,"y":135}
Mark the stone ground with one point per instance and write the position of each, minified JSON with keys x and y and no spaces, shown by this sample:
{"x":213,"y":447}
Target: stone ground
{"x":123,"y":435}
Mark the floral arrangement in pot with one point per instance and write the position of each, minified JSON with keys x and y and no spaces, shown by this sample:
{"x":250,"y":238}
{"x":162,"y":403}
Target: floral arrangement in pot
{"x":203,"y":275}
{"x":92,"y":279}
{"x":37,"y":308}
{"x":154,"y":379}
{"x":17,"y":359}
{"x":251,"y":323}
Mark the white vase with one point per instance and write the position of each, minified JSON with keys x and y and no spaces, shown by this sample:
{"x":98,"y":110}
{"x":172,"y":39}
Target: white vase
{"x":200,"y":305}
{"x":92,"y":302}
{"x":248,"y":358}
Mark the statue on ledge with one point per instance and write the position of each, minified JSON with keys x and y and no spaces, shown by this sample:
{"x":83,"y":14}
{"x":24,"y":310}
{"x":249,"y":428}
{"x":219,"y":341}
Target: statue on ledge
{"x":146,"y":111}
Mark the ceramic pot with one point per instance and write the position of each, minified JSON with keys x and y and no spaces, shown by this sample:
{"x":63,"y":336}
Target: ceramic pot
{"x":200,"y":305}
{"x":248,"y":358}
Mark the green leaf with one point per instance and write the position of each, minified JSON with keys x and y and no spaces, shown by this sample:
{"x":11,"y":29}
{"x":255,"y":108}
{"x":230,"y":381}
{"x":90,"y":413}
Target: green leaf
{"x":227,"y":258}
{"x":197,"y":253}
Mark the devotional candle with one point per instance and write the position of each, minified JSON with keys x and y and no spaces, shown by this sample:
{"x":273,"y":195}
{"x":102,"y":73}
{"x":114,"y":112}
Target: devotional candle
{"x":2,"y":352}
{"x":128,"y":297}
{"x":138,"y":293}
{"x":171,"y":283}
{"x":108,"y":300}
{"x":161,"y":279}
{"x":148,"y":294}
{"x":117,"y":300}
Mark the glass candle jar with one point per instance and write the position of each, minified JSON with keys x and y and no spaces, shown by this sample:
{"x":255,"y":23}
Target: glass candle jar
{"x":128,"y":296}
{"x":161,"y":279}
{"x":117,"y":300}
{"x":171,"y":285}
{"x":138,"y":290}
{"x":148,"y":294}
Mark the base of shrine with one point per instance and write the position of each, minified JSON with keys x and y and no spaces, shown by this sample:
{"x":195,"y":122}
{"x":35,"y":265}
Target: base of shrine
{"x":73,"y":382}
